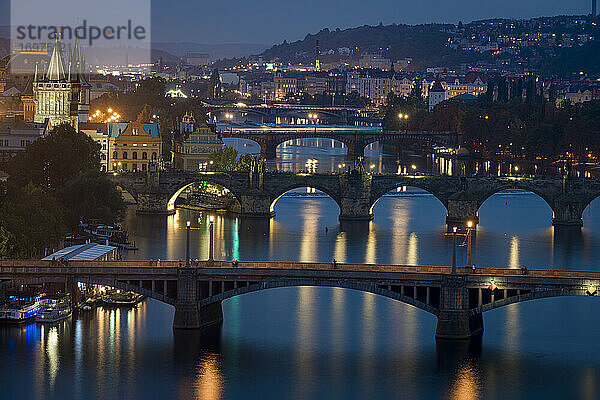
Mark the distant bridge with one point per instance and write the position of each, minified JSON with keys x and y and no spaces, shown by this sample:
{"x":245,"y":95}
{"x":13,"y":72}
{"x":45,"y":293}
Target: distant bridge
{"x":293,"y":114}
{"x":457,"y":300}
{"x":354,"y":139}
{"x":356,"y":193}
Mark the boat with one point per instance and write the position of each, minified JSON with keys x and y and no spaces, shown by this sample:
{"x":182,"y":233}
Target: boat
{"x":120,"y":298}
{"x":20,"y":312}
{"x":55,"y":308}
{"x":96,"y":231}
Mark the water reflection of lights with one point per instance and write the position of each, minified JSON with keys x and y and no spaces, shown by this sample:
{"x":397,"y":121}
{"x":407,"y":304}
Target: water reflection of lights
{"x":513,"y":261}
{"x":339,"y":251}
{"x":412,"y":253}
{"x":371,"y":250}
{"x":308,"y":244}
{"x":209,"y":384}
{"x":466,"y":385}
{"x":305,"y":316}
{"x":52,"y":354}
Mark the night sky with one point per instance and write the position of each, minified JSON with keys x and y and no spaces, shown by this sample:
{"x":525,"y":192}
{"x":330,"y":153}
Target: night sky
{"x":271,"y":21}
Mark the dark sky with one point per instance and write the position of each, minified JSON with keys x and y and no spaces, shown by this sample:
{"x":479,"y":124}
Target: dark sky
{"x":272,"y":21}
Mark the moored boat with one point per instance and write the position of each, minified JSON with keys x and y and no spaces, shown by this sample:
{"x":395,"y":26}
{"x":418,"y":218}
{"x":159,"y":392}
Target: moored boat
{"x":19,"y":312}
{"x":55,"y":308}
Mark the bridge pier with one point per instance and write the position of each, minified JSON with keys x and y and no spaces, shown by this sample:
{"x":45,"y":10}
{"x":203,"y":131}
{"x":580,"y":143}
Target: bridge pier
{"x":461,"y":209}
{"x":153,"y":203}
{"x":256,"y":204}
{"x":186,"y":307}
{"x":188,"y":314}
{"x":567,"y":213}
{"x":454,"y":321}
{"x":268,"y":150}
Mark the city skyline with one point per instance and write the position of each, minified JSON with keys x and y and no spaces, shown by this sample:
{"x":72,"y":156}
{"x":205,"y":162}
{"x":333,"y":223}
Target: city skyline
{"x":268,"y":23}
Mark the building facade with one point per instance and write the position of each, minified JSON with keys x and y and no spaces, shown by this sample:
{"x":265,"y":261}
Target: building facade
{"x":62,"y":95}
{"x":132,"y":146}
{"x":193,"y":145}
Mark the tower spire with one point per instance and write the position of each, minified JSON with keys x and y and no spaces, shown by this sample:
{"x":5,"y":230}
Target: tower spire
{"x":56,"y":68}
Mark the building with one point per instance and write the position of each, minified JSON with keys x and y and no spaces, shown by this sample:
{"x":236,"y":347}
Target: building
{"x":85,"y":252}
{"x":436,"y":95}
{"x":16,"y":135}
{"x":375,"y":61}
{"x":98,"y":132}
{"x":284,"y":84}
{"x":197,"y":59}
{"x":62,"y":95}
{"x":132,"y":146}
{"x":193,"y":145}
{"x":316,"y":83}
{"x":456,"y":85}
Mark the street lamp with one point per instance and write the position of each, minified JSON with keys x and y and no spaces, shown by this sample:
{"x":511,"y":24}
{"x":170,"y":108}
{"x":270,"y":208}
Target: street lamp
{"x":403,"y":117}
{"x":229,"y":120}
{"x":313,"y":117}
{"x":211,"y":220}
{"x":187,"y":245}
{"x":469,"y":228}
{"x":454,"y":251}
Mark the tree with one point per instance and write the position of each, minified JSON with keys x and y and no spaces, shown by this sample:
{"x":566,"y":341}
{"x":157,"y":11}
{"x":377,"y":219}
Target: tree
{"x":31,"y":222}
{"x":223,"y":159}
{"x":91,"y":195}
{"x":245,"y":162}
{"x":52,"y":160}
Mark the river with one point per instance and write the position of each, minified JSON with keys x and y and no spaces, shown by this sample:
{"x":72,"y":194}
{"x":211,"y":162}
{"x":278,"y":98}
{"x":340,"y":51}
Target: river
{"x":309,"y":343}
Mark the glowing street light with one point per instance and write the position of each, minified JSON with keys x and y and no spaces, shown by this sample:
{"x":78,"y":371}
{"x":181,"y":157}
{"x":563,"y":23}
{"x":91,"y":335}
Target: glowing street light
{"x":454,"y":250}
{"x":469,"y":228}
{"x":187,"y":244}
{"x":211,"y":220}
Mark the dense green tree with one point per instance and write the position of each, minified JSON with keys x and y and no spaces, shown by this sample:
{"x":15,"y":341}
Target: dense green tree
{"x":224,"y":159}
{"x":52,"y":160}
{"x":31,"y":222}
{"x":91,"y":195}
{"x":245,"y":162}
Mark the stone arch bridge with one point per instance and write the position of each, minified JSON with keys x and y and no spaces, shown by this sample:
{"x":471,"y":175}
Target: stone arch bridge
{"x":354,"y":140}
{"x":458,"y":300}
{"x":356,"y":193}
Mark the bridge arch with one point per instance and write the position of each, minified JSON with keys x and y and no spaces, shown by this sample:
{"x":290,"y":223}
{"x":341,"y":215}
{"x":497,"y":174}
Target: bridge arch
{"x":431,"y":308}
{"x":532,"y":295}
{"x":481,"y":201}
{"x":173,"y":197}
{"x":286,"y":189}
{"x":413,"y":184}
{"x":114,"y":283}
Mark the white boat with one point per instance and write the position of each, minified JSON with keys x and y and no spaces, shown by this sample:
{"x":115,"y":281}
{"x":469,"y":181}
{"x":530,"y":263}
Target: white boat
{"x":55,"y":308}
{"x":19,"y":313}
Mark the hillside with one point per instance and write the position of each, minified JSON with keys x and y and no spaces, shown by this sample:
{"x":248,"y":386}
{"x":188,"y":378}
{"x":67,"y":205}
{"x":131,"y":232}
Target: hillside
{"x":426,"y":44}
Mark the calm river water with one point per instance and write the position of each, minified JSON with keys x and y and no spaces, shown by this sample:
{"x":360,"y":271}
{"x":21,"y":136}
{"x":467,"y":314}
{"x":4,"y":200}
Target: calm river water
{"x":309,"y":343}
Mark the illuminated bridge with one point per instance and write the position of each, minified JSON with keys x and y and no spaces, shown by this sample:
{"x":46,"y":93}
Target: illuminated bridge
{"x":457,"y":300}
{"x":354,"y":138}
{"x":357,"y":193}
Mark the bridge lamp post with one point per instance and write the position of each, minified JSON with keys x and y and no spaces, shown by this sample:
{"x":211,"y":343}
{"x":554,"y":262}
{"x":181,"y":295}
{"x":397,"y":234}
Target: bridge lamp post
{"x":454,"y":250}
{"x":313,"y":117}
{"x":229,"y":121}
{"x":187,"y":244}
{"x":211,"y":220}
{"x":469,"y":228}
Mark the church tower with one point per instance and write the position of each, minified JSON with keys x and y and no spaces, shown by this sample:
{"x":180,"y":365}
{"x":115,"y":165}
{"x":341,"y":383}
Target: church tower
{"x":52,"y":93}
{"x":80,"y":104}
{"x":63,"y":94}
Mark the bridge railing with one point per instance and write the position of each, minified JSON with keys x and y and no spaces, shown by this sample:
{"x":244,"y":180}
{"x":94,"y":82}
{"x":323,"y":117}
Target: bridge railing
{"x":135,"y":266}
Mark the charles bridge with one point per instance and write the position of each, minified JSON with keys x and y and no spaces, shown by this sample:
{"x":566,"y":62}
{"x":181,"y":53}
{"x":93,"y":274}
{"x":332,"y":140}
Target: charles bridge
{"x":356,"y":193}
{"x":355,"y":140}
{"x":457,"y":298}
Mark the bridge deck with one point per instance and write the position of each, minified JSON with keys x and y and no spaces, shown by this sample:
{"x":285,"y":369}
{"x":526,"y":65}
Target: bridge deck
{"x":142,"y":266}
